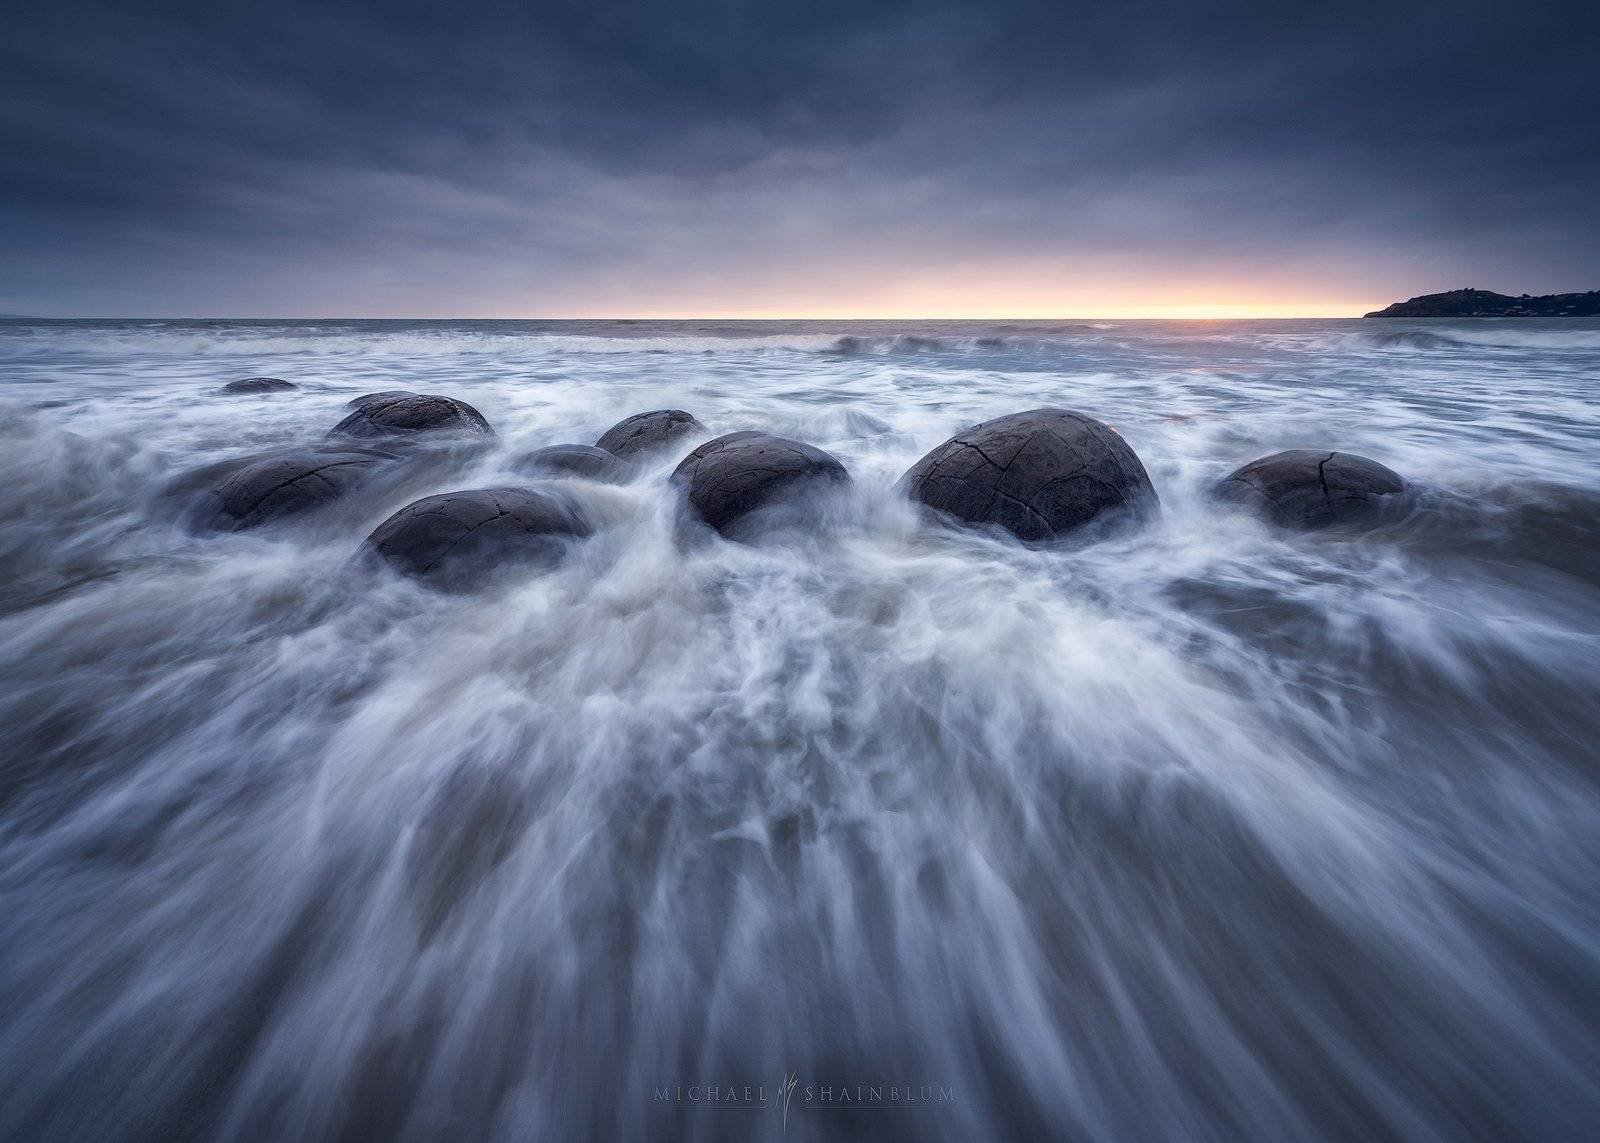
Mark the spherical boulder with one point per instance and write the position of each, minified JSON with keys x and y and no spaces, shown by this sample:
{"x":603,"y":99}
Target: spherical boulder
{"x":734,"y":480}
{"x":1313,"y":488}
{"x":259,"y":385}
{"x":586,"y":462}
{"x":269,"y":488}
{"x":382,"y":395}
{"x":1040,"y":475}
{"x":649,"y":432}
{"x":458,"y":539}
{"x":412,"y":414}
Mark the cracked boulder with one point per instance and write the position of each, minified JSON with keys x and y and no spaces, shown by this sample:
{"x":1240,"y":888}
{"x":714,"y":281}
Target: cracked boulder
{"x":742,"y":481}
{"x":263,"y":489}
{"x":1039,"y":475}
{"x":645,"y":433}
{"x":398,"y":415}
{"x":383,"y":395}
{"x":259,"y":385}
{"x":585,"y":462}
{"x":460,"y":539}
{"x":1312,"y":488}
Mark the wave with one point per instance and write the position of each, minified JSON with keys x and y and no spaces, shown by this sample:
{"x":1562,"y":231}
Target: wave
{"x":1484,"y":338}
{"x":341,"y":339}
{"x":417,"y":342}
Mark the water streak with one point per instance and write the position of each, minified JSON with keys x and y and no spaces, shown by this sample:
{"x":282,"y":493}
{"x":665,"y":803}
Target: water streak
{"x":1205,"y":831}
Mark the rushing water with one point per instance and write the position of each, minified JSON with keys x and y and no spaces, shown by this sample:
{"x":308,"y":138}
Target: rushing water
{"x":1203,"y":831}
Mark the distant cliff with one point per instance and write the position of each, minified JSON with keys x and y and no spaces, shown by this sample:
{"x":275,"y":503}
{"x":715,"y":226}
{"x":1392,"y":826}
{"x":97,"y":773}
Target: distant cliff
{"x":1485,"y":303}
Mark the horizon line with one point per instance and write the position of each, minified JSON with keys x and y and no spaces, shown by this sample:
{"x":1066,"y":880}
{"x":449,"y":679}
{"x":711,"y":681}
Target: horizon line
{"x":1252,"y":315}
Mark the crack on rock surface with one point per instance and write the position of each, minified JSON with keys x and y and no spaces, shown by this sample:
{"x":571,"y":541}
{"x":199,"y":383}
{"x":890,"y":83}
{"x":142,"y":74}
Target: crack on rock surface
{"x":1049,"y":448}
{"x":1309,"y":489}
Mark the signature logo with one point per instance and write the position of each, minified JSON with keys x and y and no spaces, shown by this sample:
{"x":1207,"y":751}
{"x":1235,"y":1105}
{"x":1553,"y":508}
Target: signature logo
{"x":786,"y":1090}
{"x":814,"y":1096}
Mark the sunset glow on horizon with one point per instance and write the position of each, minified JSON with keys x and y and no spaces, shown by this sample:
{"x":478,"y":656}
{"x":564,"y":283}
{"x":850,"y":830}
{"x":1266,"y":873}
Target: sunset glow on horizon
{"x":1199,"y":311}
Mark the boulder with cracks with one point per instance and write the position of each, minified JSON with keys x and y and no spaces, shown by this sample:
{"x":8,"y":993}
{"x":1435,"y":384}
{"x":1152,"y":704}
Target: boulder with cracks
{"x":1040,"y":475}
{"x":1314,"y":488}
{"x":263,"y":489}
{"x":400,"y":415}
{"x":461,"y":539}
{"x":741,"y":481}
{"x":645,"y":433}
{"x":382,"y":395}
{"x":586,"y":462}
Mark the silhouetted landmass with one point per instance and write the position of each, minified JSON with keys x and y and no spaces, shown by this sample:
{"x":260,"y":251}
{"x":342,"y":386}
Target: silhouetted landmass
{"x":1486,"y":303}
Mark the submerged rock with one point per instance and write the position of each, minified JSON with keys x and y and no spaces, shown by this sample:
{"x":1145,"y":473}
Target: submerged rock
{"x":1311,"y":488}
{"x":731,"y":479}
{"x":411,"y":414}
{"x":459,"y":539}
{"x":264,"y":489}
{"x":259,"y":385}
{"x":649,"y":432}
{"x":1039,"y":475}
{"x":586,"y":461}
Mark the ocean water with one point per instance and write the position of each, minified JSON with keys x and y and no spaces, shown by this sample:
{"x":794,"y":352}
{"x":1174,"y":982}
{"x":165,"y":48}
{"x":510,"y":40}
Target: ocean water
{"x":1204,"y":831}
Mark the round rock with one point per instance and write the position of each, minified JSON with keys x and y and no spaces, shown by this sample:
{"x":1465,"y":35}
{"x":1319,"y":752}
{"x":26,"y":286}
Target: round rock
{"x":731,"y":479}
{"x":412,"y":414}
{"x":383,"y":395}
{"x":586,"y":462}
{"x":1313,"y":488}
{"x":649,"y":432}
{"x":460,"y":538}
{"x":1040,"y":475}
{"x":259,"y":385}
{"x":286,"y":484}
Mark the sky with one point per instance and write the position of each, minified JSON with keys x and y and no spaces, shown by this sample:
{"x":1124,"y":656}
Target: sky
{"x":871,"y":158}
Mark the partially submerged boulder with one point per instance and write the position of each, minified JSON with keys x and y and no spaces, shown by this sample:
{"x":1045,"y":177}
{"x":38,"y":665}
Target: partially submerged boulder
{"x":735,"y":480}
{"x":586,"y":462}
{"x":270,"y":488}
{"x":1314,"y":488}
{"x":650,"y":432}
{"x":458,"y":539}
{"x":1040,"y":475}
{"x":259,"y":385}
{"x":412,"y":414}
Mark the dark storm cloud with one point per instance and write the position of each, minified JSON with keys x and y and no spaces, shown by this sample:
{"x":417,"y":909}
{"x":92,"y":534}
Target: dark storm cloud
{"x":566,"y":157}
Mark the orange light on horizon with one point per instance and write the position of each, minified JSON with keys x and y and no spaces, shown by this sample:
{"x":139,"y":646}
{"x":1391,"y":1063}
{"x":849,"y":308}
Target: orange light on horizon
{"x":1102,"y":290}
{"x":1176,"y":311}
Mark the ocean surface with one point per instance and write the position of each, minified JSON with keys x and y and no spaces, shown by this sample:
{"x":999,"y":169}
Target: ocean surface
{"x":1204,"y":831}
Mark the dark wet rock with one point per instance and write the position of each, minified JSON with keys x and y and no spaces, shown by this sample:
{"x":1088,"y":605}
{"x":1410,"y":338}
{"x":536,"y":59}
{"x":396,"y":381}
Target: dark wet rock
{"x":730,"y":480}
{"x":1313,"y":488}
{"x":649,"y":432}
{"x":585,"y":461}
{"x":1039,"y":475}
{"x":263,"y":489}
{"x":206,"y":477}
{"x":404,"y":415}
{"x":259,"y":385}
{"x":459,"y":538}
{"x":383,"y":395}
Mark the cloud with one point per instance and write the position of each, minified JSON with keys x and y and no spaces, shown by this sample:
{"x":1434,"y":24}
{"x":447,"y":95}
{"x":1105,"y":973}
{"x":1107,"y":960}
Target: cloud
{"x":572,"y":158}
